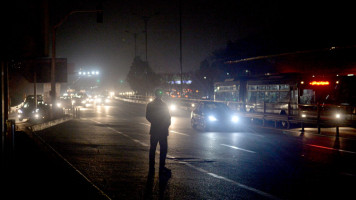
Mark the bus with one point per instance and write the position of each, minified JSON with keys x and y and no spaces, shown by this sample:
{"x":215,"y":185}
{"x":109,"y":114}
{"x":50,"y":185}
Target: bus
{"x":308,"y":96}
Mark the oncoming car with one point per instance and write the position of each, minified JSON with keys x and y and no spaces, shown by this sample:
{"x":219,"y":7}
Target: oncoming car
{"x":214,"y":115}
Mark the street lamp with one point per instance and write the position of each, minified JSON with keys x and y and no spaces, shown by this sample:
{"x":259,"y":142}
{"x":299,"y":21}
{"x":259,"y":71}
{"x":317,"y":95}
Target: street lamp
{"x":99,"y":12}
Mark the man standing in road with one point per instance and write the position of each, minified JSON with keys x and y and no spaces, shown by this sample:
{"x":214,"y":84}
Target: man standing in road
{"x":158,"y":115}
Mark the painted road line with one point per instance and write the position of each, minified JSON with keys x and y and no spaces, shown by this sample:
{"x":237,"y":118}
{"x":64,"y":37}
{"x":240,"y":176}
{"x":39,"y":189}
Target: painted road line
{"x":233,"y":147}
{"x":204,"y":171}
{"x":179,"y":133}
{"x":169,"y":130}
{"x":329,"y":148}
{"x":231,"y":181}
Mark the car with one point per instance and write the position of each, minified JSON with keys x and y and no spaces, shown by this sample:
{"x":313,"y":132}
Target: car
{"x":31,"y":112}
{"x":64,"y":102}
{"x":101,"y":100}
{"x":214,"y":115}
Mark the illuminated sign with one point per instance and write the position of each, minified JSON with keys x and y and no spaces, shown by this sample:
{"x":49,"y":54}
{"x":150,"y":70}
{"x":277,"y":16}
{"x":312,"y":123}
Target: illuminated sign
{"x":319,"y":83}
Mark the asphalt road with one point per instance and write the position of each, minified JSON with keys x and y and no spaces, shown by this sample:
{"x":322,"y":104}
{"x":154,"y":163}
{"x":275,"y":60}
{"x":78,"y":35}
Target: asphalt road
{"x":109,"y":147}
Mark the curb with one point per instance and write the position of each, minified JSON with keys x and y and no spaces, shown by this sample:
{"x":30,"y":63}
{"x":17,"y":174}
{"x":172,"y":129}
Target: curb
{"x":39,"y":127}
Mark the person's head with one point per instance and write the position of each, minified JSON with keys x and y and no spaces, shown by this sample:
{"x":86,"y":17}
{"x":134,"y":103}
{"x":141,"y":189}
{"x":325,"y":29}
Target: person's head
{"x":158,"y":93}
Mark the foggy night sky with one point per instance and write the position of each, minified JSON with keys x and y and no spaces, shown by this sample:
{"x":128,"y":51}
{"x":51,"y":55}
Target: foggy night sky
{"x":206,"y":26}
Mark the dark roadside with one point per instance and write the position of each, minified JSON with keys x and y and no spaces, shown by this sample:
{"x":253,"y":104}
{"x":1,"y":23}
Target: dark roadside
{"x":32,"y":172}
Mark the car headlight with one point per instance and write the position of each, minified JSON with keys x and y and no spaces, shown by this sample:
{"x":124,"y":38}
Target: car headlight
{"x":337,"y":116}
{"x":59,"y":105}
{"x":98,"y":100}
{"x":212,"y":118}
{"x":20,"y":111}
{"x":235,"y":119}
{"x":107,"y":100}
{"x":172,"y":107}
{"x":84,"y":102}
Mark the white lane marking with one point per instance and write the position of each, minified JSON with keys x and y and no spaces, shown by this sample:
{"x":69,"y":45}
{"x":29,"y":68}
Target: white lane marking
{"x":123,"y":134}
{"x":231,"y":181}
{"x":179,"y":133}
{"x":329,"y":148}
{"x":169,"y":130}
{"x":238,"y":148}
{"x":70,"y":164}
{"x":206,"y":172}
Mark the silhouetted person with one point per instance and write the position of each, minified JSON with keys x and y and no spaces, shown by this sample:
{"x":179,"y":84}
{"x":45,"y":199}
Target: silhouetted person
{"x":158,"y":115}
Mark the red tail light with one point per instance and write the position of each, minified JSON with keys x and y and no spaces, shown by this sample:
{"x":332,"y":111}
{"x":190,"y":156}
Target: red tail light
{"x":319,"y":83}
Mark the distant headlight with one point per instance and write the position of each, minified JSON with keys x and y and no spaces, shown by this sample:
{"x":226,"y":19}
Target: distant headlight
{"x":172,"y":107}
{"x":84,"y":102}
{"x":20,"y":111}
{"x":98,"y":100}
{"x":59,"y":105}
{"x":235,"y":119}
{"x":337,"y":116}
{"x":212,"y":118}
{"x":107,"y":100}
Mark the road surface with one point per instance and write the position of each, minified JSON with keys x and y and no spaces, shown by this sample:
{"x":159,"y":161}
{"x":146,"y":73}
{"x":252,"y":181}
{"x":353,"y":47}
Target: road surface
{"x":109,"y":146}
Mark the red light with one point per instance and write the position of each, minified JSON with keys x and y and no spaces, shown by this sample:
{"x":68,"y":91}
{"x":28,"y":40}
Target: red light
{"x":319,"y":83}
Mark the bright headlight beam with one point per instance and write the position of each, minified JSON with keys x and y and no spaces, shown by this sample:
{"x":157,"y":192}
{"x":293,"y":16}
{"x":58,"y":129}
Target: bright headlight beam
{"x":172,"y":107}
{"x":212,"y":118}
{"x":235,"y":119}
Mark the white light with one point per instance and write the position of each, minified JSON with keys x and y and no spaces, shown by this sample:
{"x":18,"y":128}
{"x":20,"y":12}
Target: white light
{"x":93,"y":72}
{"x":193,"y":105}
{"x":107,"y":100}
{"x":235,"y":119}
{"x":80,"y":73}
{"x":337,"y":116}
{"x":84,"y":73}
{"x":172,"y":107}
{"x":37,"y":116}
{"x":59,"y":105}
{"x":151,"y":99}
{"x":212,"y":118}
{"x":304,"y":115}
{"x":97,"y":72}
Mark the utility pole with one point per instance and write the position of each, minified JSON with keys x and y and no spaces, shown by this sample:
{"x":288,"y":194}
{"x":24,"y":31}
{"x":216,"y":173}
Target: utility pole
{"x":180,"y":48}
{"x":135,"y":43}
{"x":99,"y":12}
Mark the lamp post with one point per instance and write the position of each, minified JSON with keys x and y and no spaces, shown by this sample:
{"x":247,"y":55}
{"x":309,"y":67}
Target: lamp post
{"x":135,"y":39}
{"x":99,"y":12}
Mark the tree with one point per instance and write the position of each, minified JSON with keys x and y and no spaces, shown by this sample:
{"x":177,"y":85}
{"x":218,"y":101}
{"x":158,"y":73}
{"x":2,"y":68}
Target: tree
{"x":141,"y":78}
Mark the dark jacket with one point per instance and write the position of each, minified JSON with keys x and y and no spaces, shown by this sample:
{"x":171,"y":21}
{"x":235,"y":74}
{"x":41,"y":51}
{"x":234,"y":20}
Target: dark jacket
{"x":158,"y":115}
